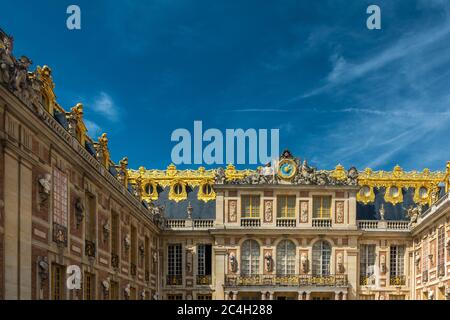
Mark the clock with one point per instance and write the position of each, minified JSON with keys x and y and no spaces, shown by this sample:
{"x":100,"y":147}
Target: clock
{"x":287,"y":168}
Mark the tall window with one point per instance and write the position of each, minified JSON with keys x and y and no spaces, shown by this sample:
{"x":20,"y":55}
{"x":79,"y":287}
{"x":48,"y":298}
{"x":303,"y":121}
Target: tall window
{"x":114,"y":233}
{"x":89,"y":286}
{"x":204,"y":259}
{"x":321,"y":255}
{"x":286,"y":206}
{"x":114,"y":290}
{"x":174,"y":263}
{"x":441,"y":251}
{"x":286,"y":257}
{"x":58,"y":272}
{"x":90,"y":218}
{"x":322,"y":207}
{"x":397,"y":261}
{"x":59,"y":197}
{"x":147,"y":257}
{"x":133,"y":245}
{"x":367,"y":263}
{"x":250,"y":257}
{"x":250,"y":206}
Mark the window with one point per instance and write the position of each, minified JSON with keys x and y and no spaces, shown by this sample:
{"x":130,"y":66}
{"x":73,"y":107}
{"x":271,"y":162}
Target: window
{"x":204,"y":259}
{"x":286,"y":257}
{"x":147,"y":258}
{"x":59,"y":197}
{"x":90,"y":218}
{"x":322,"y":207}
{"x":133,"y":246}
{"x":286,"y":206}
{"x":250,"y":257}
{"x":204,"y":297}
{"x":441,"y":251}
{"x":174,"y":255}
{"x":89,"y":286}
{"x":174,"y":297}
{"x":114,"y":233}
{"x":58,"y":272}
{"x":114,"y":290}
{"x":367,"y":263}
{"x":397,"y":258}
{"x":250,"y":206}
{"x":321,"y":255}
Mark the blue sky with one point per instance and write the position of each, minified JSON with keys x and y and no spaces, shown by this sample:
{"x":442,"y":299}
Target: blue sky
{"x":338,"y":92}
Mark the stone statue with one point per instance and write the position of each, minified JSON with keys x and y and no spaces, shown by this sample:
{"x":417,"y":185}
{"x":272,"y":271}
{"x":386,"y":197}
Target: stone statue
{"x":339,"y":212}
{"x":414,"y":213}
{"x":106,"y":230}
{"x":304,"y":262}
{"x":220,"y":176}
{"x":382,"y":212}
{"x":20,"y":80}
{"x":6,"y":60}
{"x":127,"y":291}
{"x":127,"y":241}
{"x":45,"y":186}
{"x":268,"y":262}
{"x":79,"y":211}
{"x":340,"y":263}
{"x":268,"y":209}
{"x":232,"y":214}
{"x":233,"y":262}
{"x":106,"y":286}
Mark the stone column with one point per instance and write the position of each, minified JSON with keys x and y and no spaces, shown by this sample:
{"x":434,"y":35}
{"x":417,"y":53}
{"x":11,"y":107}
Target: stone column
{"x":219,"y":265}
{"x":263,"y":295}
{"x":227,"y":295}
{"x":270,"y":295}
{"x":220,"y":209}
{"x":235,"y":295}
{"x":308,"y":295}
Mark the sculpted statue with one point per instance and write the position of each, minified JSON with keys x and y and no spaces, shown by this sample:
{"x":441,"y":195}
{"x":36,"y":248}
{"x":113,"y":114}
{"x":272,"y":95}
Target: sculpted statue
{"x":127,"y":241}
{"x":20,"y":81}
{"x":106,"y":286}
{"x":304,"y":262}
{"x":6,"y":60}
{"x":233,"y":262}
{"x":79,"y":211}
{"x":382,"y":212}
{"x":106,"y":230}
{"x":339,"y":211}
{"x":127,"y":290}
{"x":414,"y":213}
{"x":340,"y":263}
{"x":45,"y":186}
{"x":352,"y":176}
{"x":268,"y":262}
{"x":220,"y":176}
{"x":232,"y":214}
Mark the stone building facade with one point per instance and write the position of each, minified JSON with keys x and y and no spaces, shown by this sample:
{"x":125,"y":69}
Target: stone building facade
{"x":283,"y":231}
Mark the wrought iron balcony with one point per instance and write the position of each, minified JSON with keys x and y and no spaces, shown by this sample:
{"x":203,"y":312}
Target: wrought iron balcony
{"x":203,"y":280}
{"x":174,"y":280}
{"x":89,"y":248}
{"x":366,"y":280}
{"x":397,"y":280}
{"x":303,"y":280}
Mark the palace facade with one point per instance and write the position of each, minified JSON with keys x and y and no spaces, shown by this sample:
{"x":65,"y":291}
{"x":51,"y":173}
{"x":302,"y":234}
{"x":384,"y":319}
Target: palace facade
{"x":284,"y":231}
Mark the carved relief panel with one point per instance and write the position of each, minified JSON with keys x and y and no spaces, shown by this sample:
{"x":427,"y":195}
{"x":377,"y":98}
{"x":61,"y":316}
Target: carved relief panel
{"x":339,"y":218}
{"x":268,"y":211}
{"x":268,"y":261}
{"x":232,"y":210}
{"x":232,"y":261}
{"x":304,"y":211}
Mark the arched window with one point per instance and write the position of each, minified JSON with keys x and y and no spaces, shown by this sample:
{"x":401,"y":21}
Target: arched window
{"x":286,"y":257}
{"x":321,"y":254}
{"x":250,"y":257}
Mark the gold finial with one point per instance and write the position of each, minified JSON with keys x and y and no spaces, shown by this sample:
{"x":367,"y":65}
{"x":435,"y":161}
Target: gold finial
{"x":339,"y":172}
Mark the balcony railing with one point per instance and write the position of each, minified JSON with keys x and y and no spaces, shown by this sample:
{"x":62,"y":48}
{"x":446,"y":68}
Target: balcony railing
{"x":366,"y":280}
{"x":387,"y":225}
{"x":250,"y":222}
{"x":321,"y":223}
{"x":397,"y":280}
{"x":175,"y":223}
{"x":286,"y":222}
{"x":174,"y":280}
{"x":203,"y":223}
{"x":203,"y":280}
{"x":196,"y":224}
{"x":303,"y":280}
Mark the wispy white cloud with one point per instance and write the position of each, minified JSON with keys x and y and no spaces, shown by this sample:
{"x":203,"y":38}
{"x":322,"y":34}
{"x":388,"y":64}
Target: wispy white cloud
{"x":93,"y":128}
{"x":104,"y":105}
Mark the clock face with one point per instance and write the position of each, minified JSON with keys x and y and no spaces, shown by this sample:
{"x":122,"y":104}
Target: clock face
{"x":287,"y":169}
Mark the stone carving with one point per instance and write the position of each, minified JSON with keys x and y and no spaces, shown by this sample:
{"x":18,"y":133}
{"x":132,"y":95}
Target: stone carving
{"x":383,"y":263}
{"x":127,"y":241}
{"x":127,"y":291}
{"x":340,"y":263}
{"x":414,"y":213}
{"x":143,"y":294}
{"x":233,"y":262}
{"x":382,"y":212}
{"x":79,"y":211}
{"x":304,"y":211}
{"x":220,"y":176}
{"x":106,"y":231}
{"x":6,"y":59}
{"x":141,"y":250}
{"x":189,"y":259}
{"x":43,"y":269}
{"x":155,"y":257}
{"x":268,"y":262}
{"x":304,"y":262}
{"x":45,"y":186}
{"x":339,"y":211}
{"x":430,"y":294}
{"x":268,"y":211}
{"x":106,"y":285}
{"x":417,"y":259}
{"x":232,"y":210}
